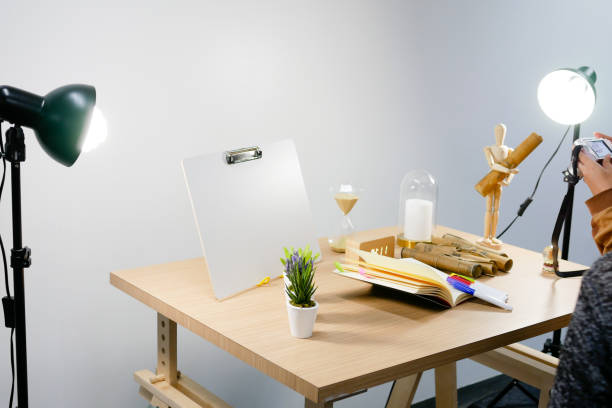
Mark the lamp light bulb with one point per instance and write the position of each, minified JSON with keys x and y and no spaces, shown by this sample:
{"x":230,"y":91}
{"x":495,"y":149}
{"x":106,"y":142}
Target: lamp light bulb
{"x":566,"y":97}
{"x":97,"y":131}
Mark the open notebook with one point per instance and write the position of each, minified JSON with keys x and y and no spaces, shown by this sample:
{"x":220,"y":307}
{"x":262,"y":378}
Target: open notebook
{"x":407,"y":275}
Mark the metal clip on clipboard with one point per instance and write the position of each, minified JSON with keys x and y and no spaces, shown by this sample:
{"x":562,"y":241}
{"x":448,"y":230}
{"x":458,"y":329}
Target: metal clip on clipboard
{"x":242,"y":155}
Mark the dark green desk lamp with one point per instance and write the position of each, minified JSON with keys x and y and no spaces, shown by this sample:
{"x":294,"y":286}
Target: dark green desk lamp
{"x":65,"y":123}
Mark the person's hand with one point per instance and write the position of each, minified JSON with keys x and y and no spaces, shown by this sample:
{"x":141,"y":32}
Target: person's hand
{"x":597,"y":177}
{"x":602,"y":136}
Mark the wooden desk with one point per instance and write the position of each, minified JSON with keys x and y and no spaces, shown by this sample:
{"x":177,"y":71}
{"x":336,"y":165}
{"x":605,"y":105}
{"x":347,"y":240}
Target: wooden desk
{"x":361,"y":338}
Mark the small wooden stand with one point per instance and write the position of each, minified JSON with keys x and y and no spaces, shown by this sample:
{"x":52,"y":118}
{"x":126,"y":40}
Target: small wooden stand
{"x":168,"y":388}
{"x":365,"y":242}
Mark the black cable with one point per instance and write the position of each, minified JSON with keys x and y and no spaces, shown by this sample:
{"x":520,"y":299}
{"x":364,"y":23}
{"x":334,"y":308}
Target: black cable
{"x":529,"y":199}
{"x":508,"y":227}
{"x":6,"y":279}
{"x":12,"y":368}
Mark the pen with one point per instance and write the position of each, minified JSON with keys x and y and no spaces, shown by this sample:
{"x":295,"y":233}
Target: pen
{"x":479,"y":294}
{"x":481,"y":287}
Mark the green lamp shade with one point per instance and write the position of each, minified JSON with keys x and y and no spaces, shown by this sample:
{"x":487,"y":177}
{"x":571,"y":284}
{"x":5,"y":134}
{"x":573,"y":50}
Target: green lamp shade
{"x":64,"y":119}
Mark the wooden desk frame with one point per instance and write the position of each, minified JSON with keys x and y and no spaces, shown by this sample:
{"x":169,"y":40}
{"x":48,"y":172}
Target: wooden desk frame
{"x":180,"y":293}
{"x":169,"y":388}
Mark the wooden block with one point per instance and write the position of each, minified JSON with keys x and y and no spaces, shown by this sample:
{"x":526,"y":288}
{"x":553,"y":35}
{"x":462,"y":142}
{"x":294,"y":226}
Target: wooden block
{"x":145,"y":394}
{"x":157,"y":378}
{"x":446,"y":386}
{"x":157,"y":403}
{"x":199,"y":394}
{"x":402,"y":392}
{"x":186,"y":394}
{"x":164,"y":392}
{"x":365,"y":242}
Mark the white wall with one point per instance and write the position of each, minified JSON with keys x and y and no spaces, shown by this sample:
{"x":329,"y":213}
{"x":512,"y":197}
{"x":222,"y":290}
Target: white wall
{"x":368,"y":90}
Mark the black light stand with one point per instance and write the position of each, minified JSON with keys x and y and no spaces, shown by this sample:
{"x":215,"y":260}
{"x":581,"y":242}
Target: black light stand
{"x":554,"y":346}
{"x":62,"y":122}
{"x":14,"y":308}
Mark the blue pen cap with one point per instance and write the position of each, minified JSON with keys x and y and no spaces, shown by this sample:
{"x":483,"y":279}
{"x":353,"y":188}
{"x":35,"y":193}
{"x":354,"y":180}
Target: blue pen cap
{"x":460,"y":286}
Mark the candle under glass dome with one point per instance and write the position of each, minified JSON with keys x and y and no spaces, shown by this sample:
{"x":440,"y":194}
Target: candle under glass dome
{"x":417,"y":208}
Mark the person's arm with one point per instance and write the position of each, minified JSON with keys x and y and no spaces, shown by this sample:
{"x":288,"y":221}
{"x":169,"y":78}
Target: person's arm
{"x":584,"y":375}
{"x":600,"y":207}
{"x":599,"y":180}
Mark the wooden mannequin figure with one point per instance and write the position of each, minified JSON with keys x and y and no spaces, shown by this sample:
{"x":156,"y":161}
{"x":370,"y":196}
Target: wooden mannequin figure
{"x":496,"y":158}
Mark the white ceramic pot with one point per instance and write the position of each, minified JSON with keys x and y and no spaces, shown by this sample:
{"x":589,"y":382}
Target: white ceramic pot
{"x":301,"y":320}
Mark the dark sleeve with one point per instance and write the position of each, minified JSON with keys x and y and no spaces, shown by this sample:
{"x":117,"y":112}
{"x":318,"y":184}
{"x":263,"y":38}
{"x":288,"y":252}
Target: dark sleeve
{"x":584,"y":374}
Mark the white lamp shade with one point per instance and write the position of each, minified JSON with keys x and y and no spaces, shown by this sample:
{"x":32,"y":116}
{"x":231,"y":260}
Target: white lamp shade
{"x":566,"y":96}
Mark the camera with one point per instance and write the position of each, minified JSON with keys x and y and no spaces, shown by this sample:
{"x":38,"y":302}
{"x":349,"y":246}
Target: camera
{"x":594,"y":147}
{"x":597,"y":149}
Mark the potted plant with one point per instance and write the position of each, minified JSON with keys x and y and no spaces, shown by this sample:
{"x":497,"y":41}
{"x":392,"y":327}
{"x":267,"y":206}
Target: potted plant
{"x":299,"y":290}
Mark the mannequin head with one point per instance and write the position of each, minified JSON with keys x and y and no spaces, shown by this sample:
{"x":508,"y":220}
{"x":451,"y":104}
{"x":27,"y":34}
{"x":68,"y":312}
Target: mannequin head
{"x":500,"y":134}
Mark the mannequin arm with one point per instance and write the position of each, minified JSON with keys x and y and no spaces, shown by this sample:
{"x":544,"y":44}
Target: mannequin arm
{"x":491,"y":162}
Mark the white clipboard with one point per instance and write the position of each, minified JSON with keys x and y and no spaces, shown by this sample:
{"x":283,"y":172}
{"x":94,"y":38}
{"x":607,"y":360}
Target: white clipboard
{"x":248,"y":204}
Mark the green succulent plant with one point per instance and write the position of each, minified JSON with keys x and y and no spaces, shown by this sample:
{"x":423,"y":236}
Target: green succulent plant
{"x":300,"y":270}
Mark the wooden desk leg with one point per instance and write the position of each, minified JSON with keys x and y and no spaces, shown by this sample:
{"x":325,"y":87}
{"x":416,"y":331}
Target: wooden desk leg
{"x":329,"y":401}
{"x":322,"y":404}
{"x":446,"y":386}
{"x":166,"y":349}
{"x":167,"y":387}
{"x":402,"y":391}
{"x":544,"y":398}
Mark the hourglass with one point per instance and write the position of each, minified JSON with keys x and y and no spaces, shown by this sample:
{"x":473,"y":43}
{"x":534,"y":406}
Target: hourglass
{"x":346,"y":197}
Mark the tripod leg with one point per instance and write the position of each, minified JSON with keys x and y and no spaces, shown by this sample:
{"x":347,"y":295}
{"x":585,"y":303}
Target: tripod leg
{"x":527,"y":393}
{"x":555,"y":347}
{"x":503,"y":392}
